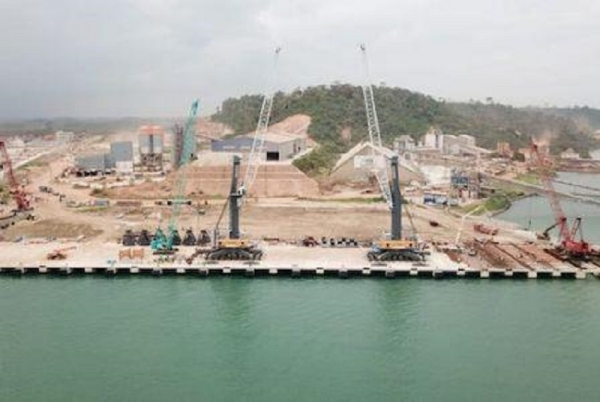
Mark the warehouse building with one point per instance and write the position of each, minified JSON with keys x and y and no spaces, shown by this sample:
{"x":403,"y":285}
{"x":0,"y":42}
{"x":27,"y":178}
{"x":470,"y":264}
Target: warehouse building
{"x":92,"y":163}
{"x":278,"y":147}
{"x":237,"y":144}
{"x":120,"y":157}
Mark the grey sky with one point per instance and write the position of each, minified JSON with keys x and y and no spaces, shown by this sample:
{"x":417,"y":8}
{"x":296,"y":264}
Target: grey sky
{"x":152,"y":57}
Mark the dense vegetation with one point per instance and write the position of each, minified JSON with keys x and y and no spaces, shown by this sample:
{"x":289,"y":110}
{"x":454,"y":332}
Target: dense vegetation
{"x":338,"y":118}
{"x":585,"y":117}
{"x":319,"y":162}
{"x":336,"y":109}
{"x":497,"y":202}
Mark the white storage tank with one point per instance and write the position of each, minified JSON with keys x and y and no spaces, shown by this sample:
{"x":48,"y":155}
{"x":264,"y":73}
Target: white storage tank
{"x":144,"y":140}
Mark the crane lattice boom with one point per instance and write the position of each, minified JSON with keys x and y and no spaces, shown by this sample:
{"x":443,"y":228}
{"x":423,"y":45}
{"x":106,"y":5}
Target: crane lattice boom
{"x":189,"y":136}
{"x":162,"y":243}
{"x":559,"y":215}
{"x":567,"y":237}
{"x":257,"y":151}
{"x":18,"y":194}
{"x":379,"y":169}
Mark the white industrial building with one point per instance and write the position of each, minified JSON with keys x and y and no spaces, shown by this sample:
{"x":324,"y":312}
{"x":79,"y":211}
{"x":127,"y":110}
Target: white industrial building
{"x":404,"y":143}
{"x":356,"y":165}
{"x":434,"y":138}
{"x":450,"y":144}
{"x":277,"y":146}
{"x":64,"y":137}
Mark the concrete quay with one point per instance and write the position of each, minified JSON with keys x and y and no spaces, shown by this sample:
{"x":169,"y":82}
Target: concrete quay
{"x":279,"y":261}
{"x":263,"y":269}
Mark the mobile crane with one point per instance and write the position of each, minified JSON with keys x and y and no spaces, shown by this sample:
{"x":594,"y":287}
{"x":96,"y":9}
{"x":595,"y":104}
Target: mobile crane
{"x":23,"y":208}
{"x":395,"y":248}
{"x":569,"y":246}
{"x":233,"y":247}
{"x":164,"y":243}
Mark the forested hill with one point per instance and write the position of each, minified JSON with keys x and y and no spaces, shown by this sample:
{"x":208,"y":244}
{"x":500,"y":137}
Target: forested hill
{"x":585,"y":117}
{"x":338,"y":117}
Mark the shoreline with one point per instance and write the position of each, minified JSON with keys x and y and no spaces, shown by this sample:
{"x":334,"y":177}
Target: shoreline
{"x":294,"y":272}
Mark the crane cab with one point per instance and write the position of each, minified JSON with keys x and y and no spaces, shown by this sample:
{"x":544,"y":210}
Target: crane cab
{"x":397,"y":244}
{"x":233,"y":243}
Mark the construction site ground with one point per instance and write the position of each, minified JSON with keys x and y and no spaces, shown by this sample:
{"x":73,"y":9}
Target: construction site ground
{"x":92,"y":234}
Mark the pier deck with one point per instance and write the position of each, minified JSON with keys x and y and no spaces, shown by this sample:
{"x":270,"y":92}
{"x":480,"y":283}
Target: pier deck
{"x":283,"y":261}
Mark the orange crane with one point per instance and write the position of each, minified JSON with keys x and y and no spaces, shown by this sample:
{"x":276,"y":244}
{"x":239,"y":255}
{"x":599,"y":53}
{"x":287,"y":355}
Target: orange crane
{"x":18,"y":193}
{"x":569,"y":245}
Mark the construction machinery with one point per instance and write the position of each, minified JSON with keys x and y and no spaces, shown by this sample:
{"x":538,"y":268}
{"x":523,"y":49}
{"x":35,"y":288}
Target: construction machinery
{"x":23,"y":208}
{"x":164,"y":243}
{"x":462,"y":222}
{"x":395,"y":247}
{"x":59,"y":253}
{"x":234,"y":247}
{"x":569,"y":246}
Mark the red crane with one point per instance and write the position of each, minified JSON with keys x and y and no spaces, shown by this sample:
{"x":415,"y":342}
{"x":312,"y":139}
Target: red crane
{"x":18,"y":193}
{"x":568,"y":244}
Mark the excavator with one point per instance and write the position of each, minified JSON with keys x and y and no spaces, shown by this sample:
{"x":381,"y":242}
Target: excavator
{"x":59,"y":253}
{"x":234,"y":247}
{"x":394,"y":248}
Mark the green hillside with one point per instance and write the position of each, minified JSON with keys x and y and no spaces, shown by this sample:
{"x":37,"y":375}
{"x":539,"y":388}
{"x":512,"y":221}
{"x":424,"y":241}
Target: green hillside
{"x":585,"y":117}
{"x":339,"y":108}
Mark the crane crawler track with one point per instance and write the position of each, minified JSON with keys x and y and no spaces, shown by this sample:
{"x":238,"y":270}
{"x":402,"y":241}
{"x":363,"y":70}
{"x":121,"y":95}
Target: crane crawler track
{"x":233,"y":254}
{"x":395,"y":255}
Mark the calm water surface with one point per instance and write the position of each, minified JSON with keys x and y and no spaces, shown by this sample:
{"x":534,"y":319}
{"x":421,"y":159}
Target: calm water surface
{"x":535,"y":212}
{"x":236,"y":339}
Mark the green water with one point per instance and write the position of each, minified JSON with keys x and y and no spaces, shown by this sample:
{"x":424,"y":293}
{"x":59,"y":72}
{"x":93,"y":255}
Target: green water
{"x":237,"y":339}
{"x":535,"y":212}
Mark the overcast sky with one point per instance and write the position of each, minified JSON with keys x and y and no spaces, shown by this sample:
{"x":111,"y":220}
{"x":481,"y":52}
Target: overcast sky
{"x":152,"y":57}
